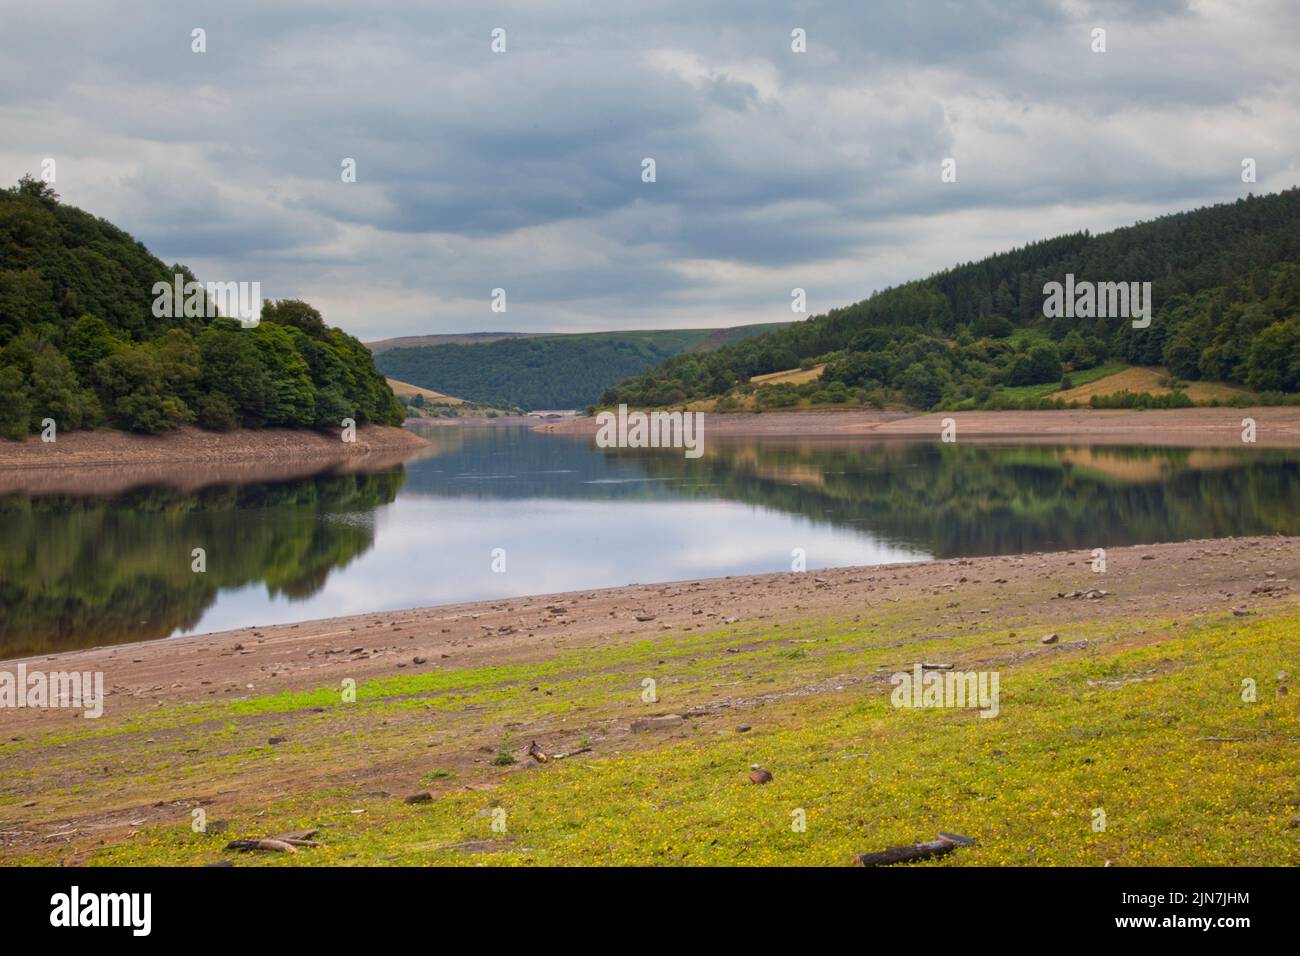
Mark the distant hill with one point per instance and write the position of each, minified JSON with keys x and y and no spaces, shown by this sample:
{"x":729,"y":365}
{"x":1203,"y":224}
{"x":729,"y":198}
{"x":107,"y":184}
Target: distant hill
{"x":82,"y":342}
{"x":550,"y":370}
{"x":1224,"y":308}
{"x":454,"y":338}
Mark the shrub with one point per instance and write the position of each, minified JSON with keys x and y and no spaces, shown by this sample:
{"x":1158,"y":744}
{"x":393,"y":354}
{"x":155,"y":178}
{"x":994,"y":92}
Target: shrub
{"x":1040,"y":365}
{"x":781,"y":395}
{"x":218,"y":414}
{"x":15,"y":407}
{"x":1127,"y":399}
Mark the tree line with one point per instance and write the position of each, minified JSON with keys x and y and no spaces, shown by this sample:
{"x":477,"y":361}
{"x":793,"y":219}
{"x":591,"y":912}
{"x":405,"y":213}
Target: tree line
{"x":1226,"y":290}
{"x":79,"y":342}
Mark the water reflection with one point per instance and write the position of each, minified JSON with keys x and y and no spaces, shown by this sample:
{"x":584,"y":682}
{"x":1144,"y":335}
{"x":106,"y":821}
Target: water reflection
{"x":79,"y":571}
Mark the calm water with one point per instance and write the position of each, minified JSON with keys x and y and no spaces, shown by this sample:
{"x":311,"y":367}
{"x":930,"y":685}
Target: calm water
{"x":80,"y":571}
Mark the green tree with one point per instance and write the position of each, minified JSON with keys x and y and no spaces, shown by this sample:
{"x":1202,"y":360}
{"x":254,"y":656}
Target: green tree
{"x":26,"y":299}
{"x":1041,"y":364}
{"x":1182,"y":355}
{"x":1274,"y":364}
{"x":231,"y":367}
{"x":332,"y":407}
{"x":920,"y":386}
{"x":56,"y":393}
{"x":289,"y":398}
{"x":130,"y":383}
{"x":294,"y":313}
{"x":15,"y":408}
{"x":88,"y":341}
{"x":1077,"y":352}
{"x":180,"y":363}
{"x":217,"y":413}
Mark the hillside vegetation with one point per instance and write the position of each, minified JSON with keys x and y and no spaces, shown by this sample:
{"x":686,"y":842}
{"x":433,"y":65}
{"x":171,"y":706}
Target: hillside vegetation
{"x":80,"y":344}
{"x":1225,"y":286}
{"x":546,"y":371}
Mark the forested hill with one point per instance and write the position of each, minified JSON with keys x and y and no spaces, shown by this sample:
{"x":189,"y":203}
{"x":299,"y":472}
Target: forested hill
{"x":80,"y":342}
{"x":1225,"y":286}
{"x":546,"y":371}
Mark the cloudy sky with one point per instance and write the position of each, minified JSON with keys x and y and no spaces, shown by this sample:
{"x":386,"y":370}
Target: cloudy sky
{"x":522,"y":170}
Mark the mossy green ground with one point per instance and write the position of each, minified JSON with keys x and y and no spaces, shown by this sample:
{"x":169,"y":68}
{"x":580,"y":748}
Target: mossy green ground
{"x":1028,"y":783}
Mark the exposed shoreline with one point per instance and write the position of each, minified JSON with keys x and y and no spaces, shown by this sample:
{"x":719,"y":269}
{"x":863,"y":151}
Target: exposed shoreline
{"x":482,"y":675}
{"x":1275,"y":426}
{"x":496,"y":631}
{"x":105,"y":461}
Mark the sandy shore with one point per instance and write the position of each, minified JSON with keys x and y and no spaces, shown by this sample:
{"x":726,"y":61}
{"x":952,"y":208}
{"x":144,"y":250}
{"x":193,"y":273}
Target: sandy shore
{"x":1275,"y":427}
{"x":105,"y":461}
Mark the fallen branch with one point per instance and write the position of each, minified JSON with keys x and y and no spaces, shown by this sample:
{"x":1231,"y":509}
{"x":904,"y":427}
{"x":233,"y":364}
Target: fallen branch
{"x":297,"y":838}
{"x":272,"y":846}
{"x":572,"y":753}
{"x":293,"y":835}
{"x":945,"y":843}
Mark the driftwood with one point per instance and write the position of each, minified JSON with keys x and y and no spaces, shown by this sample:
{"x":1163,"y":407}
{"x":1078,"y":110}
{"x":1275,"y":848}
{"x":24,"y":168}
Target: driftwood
{"x":944,"y":843}
{"x":572,"y":753}
{"x":280,"y":843}
{"x":273,"y":846}
{"x":292,"y":835}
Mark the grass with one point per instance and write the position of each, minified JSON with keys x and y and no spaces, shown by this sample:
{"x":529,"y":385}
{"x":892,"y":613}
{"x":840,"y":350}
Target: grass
{"x":794,"y":376}
{"x":1112,"y":377}
{"x":1138,"y":379}
{"x":1117,"y":725}
{"x":1080,"y":378}
{"x":407,"y":390}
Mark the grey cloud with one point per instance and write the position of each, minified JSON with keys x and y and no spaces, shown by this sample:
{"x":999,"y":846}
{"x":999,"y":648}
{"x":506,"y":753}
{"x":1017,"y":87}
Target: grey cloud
{"x":473,"y":166}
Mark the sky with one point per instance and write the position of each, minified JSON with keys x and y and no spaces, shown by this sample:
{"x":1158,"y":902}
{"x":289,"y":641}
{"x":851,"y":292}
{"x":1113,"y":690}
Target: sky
{"x":523,"y":170}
